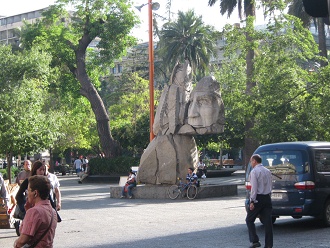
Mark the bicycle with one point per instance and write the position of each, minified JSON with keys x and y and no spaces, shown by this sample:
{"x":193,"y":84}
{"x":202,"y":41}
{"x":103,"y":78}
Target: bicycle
{"x":181,"y":189}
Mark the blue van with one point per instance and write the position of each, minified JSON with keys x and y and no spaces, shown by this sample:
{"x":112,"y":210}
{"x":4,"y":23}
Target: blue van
{"x":301,"y":178}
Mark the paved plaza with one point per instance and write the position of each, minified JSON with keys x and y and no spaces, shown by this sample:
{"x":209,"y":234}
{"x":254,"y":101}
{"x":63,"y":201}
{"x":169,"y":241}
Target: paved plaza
{"x":92,"y":219}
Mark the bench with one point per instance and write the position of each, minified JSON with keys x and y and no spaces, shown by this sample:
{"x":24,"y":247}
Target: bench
{"x":228,"y":163}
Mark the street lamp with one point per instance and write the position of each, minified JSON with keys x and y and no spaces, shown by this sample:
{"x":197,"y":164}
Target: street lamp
{"x":152,"y":6}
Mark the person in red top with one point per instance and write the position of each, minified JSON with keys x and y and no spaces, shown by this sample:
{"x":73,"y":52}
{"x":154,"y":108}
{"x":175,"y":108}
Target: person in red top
{"x":40,"y":222}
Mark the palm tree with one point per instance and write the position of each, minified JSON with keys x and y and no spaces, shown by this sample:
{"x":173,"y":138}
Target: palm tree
{"x":248,"y":6}
{"x":187,"y":38}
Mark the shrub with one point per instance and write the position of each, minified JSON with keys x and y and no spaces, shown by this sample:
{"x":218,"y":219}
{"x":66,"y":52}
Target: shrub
{"x":14,"y":172}
{"x":109,"y":166}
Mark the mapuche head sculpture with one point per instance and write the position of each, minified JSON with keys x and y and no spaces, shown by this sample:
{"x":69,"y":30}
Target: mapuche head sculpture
{"x":206,"y":109}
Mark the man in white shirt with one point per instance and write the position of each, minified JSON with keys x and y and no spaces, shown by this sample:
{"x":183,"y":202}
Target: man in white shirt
{"x":77,"y":164}
{"x":260,"y":202}
{"x":3,"y":193}
{"x":55,"y":192}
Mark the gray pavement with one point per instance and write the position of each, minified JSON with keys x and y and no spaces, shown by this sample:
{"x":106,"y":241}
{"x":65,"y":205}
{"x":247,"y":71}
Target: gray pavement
{"x":92,"y":219}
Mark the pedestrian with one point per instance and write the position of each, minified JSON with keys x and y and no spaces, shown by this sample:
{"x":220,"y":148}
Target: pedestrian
{"x":77,"y":165}
{"x":4,"y":193}
{"x":84,"y":163}
{"x":55,"y":193}
{"x":84,"y":174}
{"x":25,"y":173}
{"x":38,"y":227}
{"x":38,"y":168}
{"x":260,"y":202}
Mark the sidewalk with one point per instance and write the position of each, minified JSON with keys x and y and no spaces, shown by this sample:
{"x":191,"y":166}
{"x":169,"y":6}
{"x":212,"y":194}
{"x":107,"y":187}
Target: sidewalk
{"x":91,"y":219}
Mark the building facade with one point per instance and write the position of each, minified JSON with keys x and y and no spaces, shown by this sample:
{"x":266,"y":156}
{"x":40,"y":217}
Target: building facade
{"x":10,"y":25}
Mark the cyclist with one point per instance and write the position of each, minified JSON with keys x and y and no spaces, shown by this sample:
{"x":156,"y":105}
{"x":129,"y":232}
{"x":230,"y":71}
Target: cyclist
{"x":191,"y":177}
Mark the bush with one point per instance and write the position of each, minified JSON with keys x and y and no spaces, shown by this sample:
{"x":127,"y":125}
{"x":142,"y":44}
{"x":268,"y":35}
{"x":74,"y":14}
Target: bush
{"x":109,"y":166}
{"x":14,"y":172}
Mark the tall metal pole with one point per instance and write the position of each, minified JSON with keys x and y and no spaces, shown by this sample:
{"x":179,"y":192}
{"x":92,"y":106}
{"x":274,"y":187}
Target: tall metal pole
{"x":151,"y":71}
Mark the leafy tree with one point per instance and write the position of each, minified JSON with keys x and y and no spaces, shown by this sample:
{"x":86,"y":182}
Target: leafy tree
{"x":67,"y":37}
{"x":129,"y":108}
{"x":187,"y":38}
{"x":248,"y":6}
{"x":281,"y":101}
{"x":296,"y":8}
{"x":25,"y":124}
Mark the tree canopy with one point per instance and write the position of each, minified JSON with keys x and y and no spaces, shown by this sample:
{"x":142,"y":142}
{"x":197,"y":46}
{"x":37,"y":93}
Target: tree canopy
{"x":67,"y":36}
{"x":188,"y":38}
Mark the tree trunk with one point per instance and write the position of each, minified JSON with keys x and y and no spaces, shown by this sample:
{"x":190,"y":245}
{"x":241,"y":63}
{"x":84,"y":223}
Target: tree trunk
{"x":109,"y":146}
{"x":9,"y":164}
{"x":322,"y":40}
{"x":250,"y":144}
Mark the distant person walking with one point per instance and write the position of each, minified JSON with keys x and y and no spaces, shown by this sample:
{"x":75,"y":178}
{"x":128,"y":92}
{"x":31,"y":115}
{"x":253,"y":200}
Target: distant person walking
{"x":25,"y":173}
{"x":77,"y":165}
{"x":260,"y":202}
{"x":84,"y":163}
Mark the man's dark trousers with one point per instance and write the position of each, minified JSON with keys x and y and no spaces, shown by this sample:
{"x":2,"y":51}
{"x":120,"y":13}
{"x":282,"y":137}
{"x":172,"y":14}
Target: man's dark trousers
{"x":263,"y":209}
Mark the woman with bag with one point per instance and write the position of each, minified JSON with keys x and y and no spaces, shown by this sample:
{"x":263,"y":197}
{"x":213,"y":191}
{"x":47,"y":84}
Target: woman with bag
{"x":39,"y":224}
{"x":129,"y":185}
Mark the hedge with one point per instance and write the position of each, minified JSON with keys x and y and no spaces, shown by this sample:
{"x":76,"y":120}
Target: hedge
{"x":109,"y":166}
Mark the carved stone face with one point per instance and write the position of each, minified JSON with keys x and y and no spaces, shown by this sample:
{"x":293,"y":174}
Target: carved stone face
{"x":203,"y":110}
{"x":206,"y":106}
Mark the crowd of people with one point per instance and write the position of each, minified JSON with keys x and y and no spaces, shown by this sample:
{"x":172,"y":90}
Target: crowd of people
{"x":38,"y":201}
{"x":39,"y":198}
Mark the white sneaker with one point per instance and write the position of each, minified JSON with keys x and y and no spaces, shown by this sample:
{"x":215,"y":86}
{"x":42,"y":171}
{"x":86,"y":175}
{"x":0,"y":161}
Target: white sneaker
{"x":122,"y":196}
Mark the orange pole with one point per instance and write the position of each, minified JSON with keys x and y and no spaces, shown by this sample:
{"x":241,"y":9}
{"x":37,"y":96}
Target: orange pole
{"x":151,"y":71}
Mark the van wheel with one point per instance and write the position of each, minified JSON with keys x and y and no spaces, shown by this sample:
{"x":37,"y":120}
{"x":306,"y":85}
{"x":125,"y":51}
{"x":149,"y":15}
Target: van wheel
{"x":326,"y":214}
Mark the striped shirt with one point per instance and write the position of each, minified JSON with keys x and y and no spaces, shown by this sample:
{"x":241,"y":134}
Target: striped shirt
{"x":261,"y":182}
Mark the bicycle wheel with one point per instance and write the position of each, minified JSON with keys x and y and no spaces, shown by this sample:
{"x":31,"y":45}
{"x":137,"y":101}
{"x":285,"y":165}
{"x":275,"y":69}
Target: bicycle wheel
{"x":173,"y":192}
{"x":192,"y":192}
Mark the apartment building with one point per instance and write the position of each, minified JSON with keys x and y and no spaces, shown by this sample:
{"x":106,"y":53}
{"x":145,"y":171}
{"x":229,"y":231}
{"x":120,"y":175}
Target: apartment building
{"x":10,"y":25}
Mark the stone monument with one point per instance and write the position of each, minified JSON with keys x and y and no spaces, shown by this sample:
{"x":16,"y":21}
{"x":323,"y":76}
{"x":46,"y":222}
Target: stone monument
{"x":182,"y":113}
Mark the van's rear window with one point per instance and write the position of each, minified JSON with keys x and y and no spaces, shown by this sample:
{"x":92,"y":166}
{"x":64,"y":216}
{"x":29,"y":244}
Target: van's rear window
{"x":286,"y":161}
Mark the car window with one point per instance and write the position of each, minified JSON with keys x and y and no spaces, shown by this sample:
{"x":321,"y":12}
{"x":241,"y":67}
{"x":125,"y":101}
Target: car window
{"x":285,"y":162}
{"x":322,"y":161}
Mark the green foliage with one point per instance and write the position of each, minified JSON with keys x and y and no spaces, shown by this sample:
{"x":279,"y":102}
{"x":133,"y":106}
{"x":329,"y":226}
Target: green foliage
{"x":187,"y":38}
{"x":128,"y":98}
{"x":25,"y":124}
{"x":14,"y":172}
{"x":108,"y":166}
{"x":67,"y":36}
{"x":284,"y":98}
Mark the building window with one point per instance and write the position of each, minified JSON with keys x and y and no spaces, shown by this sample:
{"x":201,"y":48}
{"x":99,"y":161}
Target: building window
{"x":17,"y":18}
{"x":10,"y":20}
{"x":31,"y":15}
{"x":114,"y":70}
{"x":11,"y":33}
{"x":120,"y":68}
{"x":3,"y":21}
{"x":3,"y":35}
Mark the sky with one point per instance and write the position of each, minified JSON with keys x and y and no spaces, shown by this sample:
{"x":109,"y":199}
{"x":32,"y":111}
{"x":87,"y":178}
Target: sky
{"x":210,"y":15}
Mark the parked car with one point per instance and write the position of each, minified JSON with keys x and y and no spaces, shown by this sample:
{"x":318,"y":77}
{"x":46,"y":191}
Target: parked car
{"x":301,"y":178}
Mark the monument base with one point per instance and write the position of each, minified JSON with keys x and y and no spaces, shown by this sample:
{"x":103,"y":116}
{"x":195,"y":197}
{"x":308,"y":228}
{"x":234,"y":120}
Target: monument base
{"x":160,"y":191}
